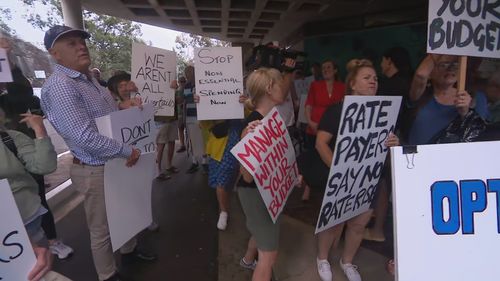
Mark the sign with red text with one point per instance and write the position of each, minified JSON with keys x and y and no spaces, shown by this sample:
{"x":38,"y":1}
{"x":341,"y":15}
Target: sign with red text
{"x":133,"y":126}
{"x":16,"y":253}
{"x":447,"y":197}
{"x":152,"y":70}
{"x":219,"y":82}
{"x":358,"y":157}
{"x":466,"y":28}
{"x":268,"y":155}
{"x":5,"y":73}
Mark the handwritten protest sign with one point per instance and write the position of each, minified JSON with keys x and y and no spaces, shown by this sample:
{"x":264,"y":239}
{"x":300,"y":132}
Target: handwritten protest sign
{"x":128,"y":197}
{"x":450,"y":205}
{"x":219,"y":82}
{"x":467,"y":27}
{"x":16,"y":254}
{"x":268,"y":155}
{"x":358,"y":158}
{"x":132,"y":126}
{"x":152,"y":70}
{"x":5,"y":73}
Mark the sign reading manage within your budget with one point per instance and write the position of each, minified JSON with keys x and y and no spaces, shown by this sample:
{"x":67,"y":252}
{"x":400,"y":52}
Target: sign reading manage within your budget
{"x":464,"y":27}
{"x":152,"y":70}
{"x":358,"y":159}
{"x":268,"y":155}
{"x":219,"y":82}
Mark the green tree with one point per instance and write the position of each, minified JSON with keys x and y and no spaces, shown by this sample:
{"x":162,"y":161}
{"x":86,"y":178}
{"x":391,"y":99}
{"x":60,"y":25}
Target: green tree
{"x":185,"y":44}
{"x":111,"y":38}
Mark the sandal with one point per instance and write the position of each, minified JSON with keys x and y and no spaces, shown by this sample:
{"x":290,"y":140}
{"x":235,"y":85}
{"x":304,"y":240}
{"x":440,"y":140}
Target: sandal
{"x":391,"y":267}
{"x":173,"y":170}
{"x":163,"y":177}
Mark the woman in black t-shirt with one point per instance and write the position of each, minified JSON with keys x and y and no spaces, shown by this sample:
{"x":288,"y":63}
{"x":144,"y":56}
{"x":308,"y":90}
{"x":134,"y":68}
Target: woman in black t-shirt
{"x":267,"y":89}
{"x":361,"y":80}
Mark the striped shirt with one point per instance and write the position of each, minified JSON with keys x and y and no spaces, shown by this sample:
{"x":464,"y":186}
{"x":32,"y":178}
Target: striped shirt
{"x":71,"y":103}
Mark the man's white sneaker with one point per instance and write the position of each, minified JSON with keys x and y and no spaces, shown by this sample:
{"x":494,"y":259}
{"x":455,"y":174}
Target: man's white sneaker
{"x":222,"y":223}
{"x":351,"y":271}
{"x":60,"y":250}
{"x":324,"y":270}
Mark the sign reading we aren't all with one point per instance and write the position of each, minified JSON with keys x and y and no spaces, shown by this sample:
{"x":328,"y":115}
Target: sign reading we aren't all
{"x":152,"y":71}
{"x":219,"y":82}
{"x":464,"y":27}
{"x":358,"y":158}
{"x":268,"y":155}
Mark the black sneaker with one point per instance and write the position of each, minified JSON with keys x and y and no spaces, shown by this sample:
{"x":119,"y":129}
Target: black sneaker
{"x":138,"y":256}
{"x":194,"y":167}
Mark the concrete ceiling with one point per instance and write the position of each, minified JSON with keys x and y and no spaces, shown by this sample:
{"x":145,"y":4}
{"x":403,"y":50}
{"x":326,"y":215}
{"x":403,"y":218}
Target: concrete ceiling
{"x":262,"y":20}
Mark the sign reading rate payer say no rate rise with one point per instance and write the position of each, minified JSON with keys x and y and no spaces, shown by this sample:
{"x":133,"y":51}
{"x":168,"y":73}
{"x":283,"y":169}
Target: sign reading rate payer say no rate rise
{"x":219,"y":82}
{"x":464,"y":27}
{"x":152,"y":70}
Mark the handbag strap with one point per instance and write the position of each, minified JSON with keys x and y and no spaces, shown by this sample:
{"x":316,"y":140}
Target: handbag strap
{"x":9,"y":142}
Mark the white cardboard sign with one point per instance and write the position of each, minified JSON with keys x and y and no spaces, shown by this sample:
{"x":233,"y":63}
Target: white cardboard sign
{"x":16,"y":253}
{"x":128,"y":197}
{"x":132,"y":126}
{"x":5,"y":72}
{"x":358,"y":158}
{"x":466,"y":28}
{"x":269,"y":156}
{"x":219,"y":82}
{"x":446,"y":202}
{"x":152,"y":70}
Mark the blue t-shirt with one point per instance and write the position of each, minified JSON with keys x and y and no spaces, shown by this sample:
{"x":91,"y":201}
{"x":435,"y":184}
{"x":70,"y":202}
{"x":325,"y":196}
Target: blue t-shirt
{"x":434,"y":117}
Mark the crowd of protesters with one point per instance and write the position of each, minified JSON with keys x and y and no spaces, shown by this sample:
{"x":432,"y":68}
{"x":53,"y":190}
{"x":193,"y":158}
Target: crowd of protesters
{"x":433,"y":111}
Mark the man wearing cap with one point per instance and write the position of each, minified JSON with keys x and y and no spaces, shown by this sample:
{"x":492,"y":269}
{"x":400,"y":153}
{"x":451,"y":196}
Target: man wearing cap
{"x":72,"y":99}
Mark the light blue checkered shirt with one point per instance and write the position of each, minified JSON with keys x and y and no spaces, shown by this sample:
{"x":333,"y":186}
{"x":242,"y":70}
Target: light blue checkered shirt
{"x":71,"y":103}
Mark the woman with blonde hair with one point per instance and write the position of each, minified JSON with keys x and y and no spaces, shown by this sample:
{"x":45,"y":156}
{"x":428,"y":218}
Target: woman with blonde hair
{"x":266,"y":87}
{"x":361,"y":80}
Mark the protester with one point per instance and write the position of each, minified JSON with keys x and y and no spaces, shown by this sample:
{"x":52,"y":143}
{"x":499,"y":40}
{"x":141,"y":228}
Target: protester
{"x":433,"y":107}
{"x":180,"y":114}
{"x":361,"y":80}
{"x":167,"y":136}
{"x":321,"y":95}
{"x":395,"y":81}
{"x":18,"y":98}
{"x":96,"y":73}
{"x":316,"y":71}
{"x":194,"y":130}
{"x":267,"y":88}
{"x":21,"y":156}
{"x":72,"y":100}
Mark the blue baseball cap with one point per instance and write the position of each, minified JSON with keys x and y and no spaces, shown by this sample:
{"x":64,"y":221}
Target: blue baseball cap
{"x":57,"y":31}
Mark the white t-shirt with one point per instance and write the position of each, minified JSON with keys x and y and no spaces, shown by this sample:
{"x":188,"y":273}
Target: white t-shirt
{"x":287,"y":111}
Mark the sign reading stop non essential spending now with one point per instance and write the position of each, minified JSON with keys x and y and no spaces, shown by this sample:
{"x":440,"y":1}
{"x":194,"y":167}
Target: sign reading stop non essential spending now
{"x":268,"y":155}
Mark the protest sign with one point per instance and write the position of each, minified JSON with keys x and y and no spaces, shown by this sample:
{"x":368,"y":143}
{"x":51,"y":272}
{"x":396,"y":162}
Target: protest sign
{"x":446,"y":203}
{"x":5,"y":73}
{"x":467,"y":28}
{"x":131,"y":126}
{"x":128,"y":197}
{"x":268,"y":155}
{"x":16,"y":254}
{"x":219,"y":82}
{"x":358,"y":157}
{"x":152,"y":71}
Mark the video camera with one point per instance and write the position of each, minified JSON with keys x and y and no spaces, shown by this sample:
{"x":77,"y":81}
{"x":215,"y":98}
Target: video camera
{"x":272,"y":56}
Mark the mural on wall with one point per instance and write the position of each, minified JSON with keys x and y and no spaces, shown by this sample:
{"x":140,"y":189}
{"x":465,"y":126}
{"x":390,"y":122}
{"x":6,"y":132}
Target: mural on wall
{"x":368,"y":44}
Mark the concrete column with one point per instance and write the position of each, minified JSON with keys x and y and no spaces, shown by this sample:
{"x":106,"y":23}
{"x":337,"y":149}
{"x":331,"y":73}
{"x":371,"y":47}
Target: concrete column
{"x":72,"y":13}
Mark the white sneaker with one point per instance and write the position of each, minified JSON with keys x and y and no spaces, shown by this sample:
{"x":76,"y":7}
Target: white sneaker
{"x":351,"y":271}
{"x":60,"y":250}
{"x":222,"y":223}
{"x":324,"y":270}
